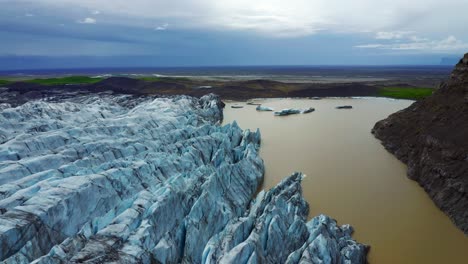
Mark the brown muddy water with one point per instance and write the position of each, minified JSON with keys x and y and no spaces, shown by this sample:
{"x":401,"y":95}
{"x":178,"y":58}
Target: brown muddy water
{"x":352,"y":178}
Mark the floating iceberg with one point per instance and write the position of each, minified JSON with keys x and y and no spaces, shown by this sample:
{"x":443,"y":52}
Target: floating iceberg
{"x":288,"y":111}
{"x":308,"y":110}
{"x":344,"y":107}
{"x":263,"y":108}
{"x":123,"y":179}
{"x":237,"y":106}
{"x":292,"y":111}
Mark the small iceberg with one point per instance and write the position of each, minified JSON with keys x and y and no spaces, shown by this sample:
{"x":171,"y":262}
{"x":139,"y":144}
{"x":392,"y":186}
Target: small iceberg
{"x":237,"y":106}
{"x":344,"y":107}
{"x":292,"y":111}
{"x":288,"y":111}
{"x":253,"y":103}
{"x":203,"y":87}
{"x":308,"y":110}
{"x":263,"y":108}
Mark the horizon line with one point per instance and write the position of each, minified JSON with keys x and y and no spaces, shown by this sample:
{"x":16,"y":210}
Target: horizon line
{"x":225,"y":66}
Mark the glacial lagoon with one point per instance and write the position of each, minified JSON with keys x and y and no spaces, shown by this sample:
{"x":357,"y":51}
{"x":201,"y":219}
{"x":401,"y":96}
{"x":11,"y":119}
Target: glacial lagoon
{"x":351,"y":177}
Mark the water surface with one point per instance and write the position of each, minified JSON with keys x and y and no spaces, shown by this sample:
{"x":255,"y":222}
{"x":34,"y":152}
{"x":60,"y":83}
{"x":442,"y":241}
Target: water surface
{"x":352,"y":178}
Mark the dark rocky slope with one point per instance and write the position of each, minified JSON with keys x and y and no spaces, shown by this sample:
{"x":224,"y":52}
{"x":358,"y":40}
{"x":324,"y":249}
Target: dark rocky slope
{"x":431,"y":137}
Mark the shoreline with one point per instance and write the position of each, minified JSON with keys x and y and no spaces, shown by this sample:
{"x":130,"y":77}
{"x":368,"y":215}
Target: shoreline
{"x":321,"y":98}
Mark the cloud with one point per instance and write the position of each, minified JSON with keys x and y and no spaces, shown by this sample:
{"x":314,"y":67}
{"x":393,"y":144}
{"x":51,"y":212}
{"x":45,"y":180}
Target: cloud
{"x":448,"y":44}
{"x":28,"y":15}
{"x":290,"y":18}
{"x":96,"y":12}
{"x":369,"y":46}
{"x":88,"y":20}
{"x":162,"y":27}
{"x":392,"y":34}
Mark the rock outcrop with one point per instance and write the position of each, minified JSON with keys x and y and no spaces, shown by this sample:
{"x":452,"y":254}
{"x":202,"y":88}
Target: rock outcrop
{"x":431,"y":137}
{"x":103,"y":178}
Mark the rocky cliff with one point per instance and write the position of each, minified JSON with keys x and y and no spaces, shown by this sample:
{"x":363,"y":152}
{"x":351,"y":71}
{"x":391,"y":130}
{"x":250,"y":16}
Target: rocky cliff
{"x":431,"y":137}
{"x":102,"y":178}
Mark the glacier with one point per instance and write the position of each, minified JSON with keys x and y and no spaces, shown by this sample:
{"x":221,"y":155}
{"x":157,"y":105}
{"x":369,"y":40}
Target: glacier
{"x":106,"y":178}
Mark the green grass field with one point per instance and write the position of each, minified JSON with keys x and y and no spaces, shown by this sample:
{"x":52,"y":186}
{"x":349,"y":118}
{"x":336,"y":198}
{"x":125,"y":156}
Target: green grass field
{"x":66,"y":80}
{"x":88,"y":80}
{"x":3,"y":82}
{"x":413,"y":93}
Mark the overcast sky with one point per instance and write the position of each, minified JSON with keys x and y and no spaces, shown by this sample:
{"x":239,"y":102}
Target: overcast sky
{"x":73,"y":33}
